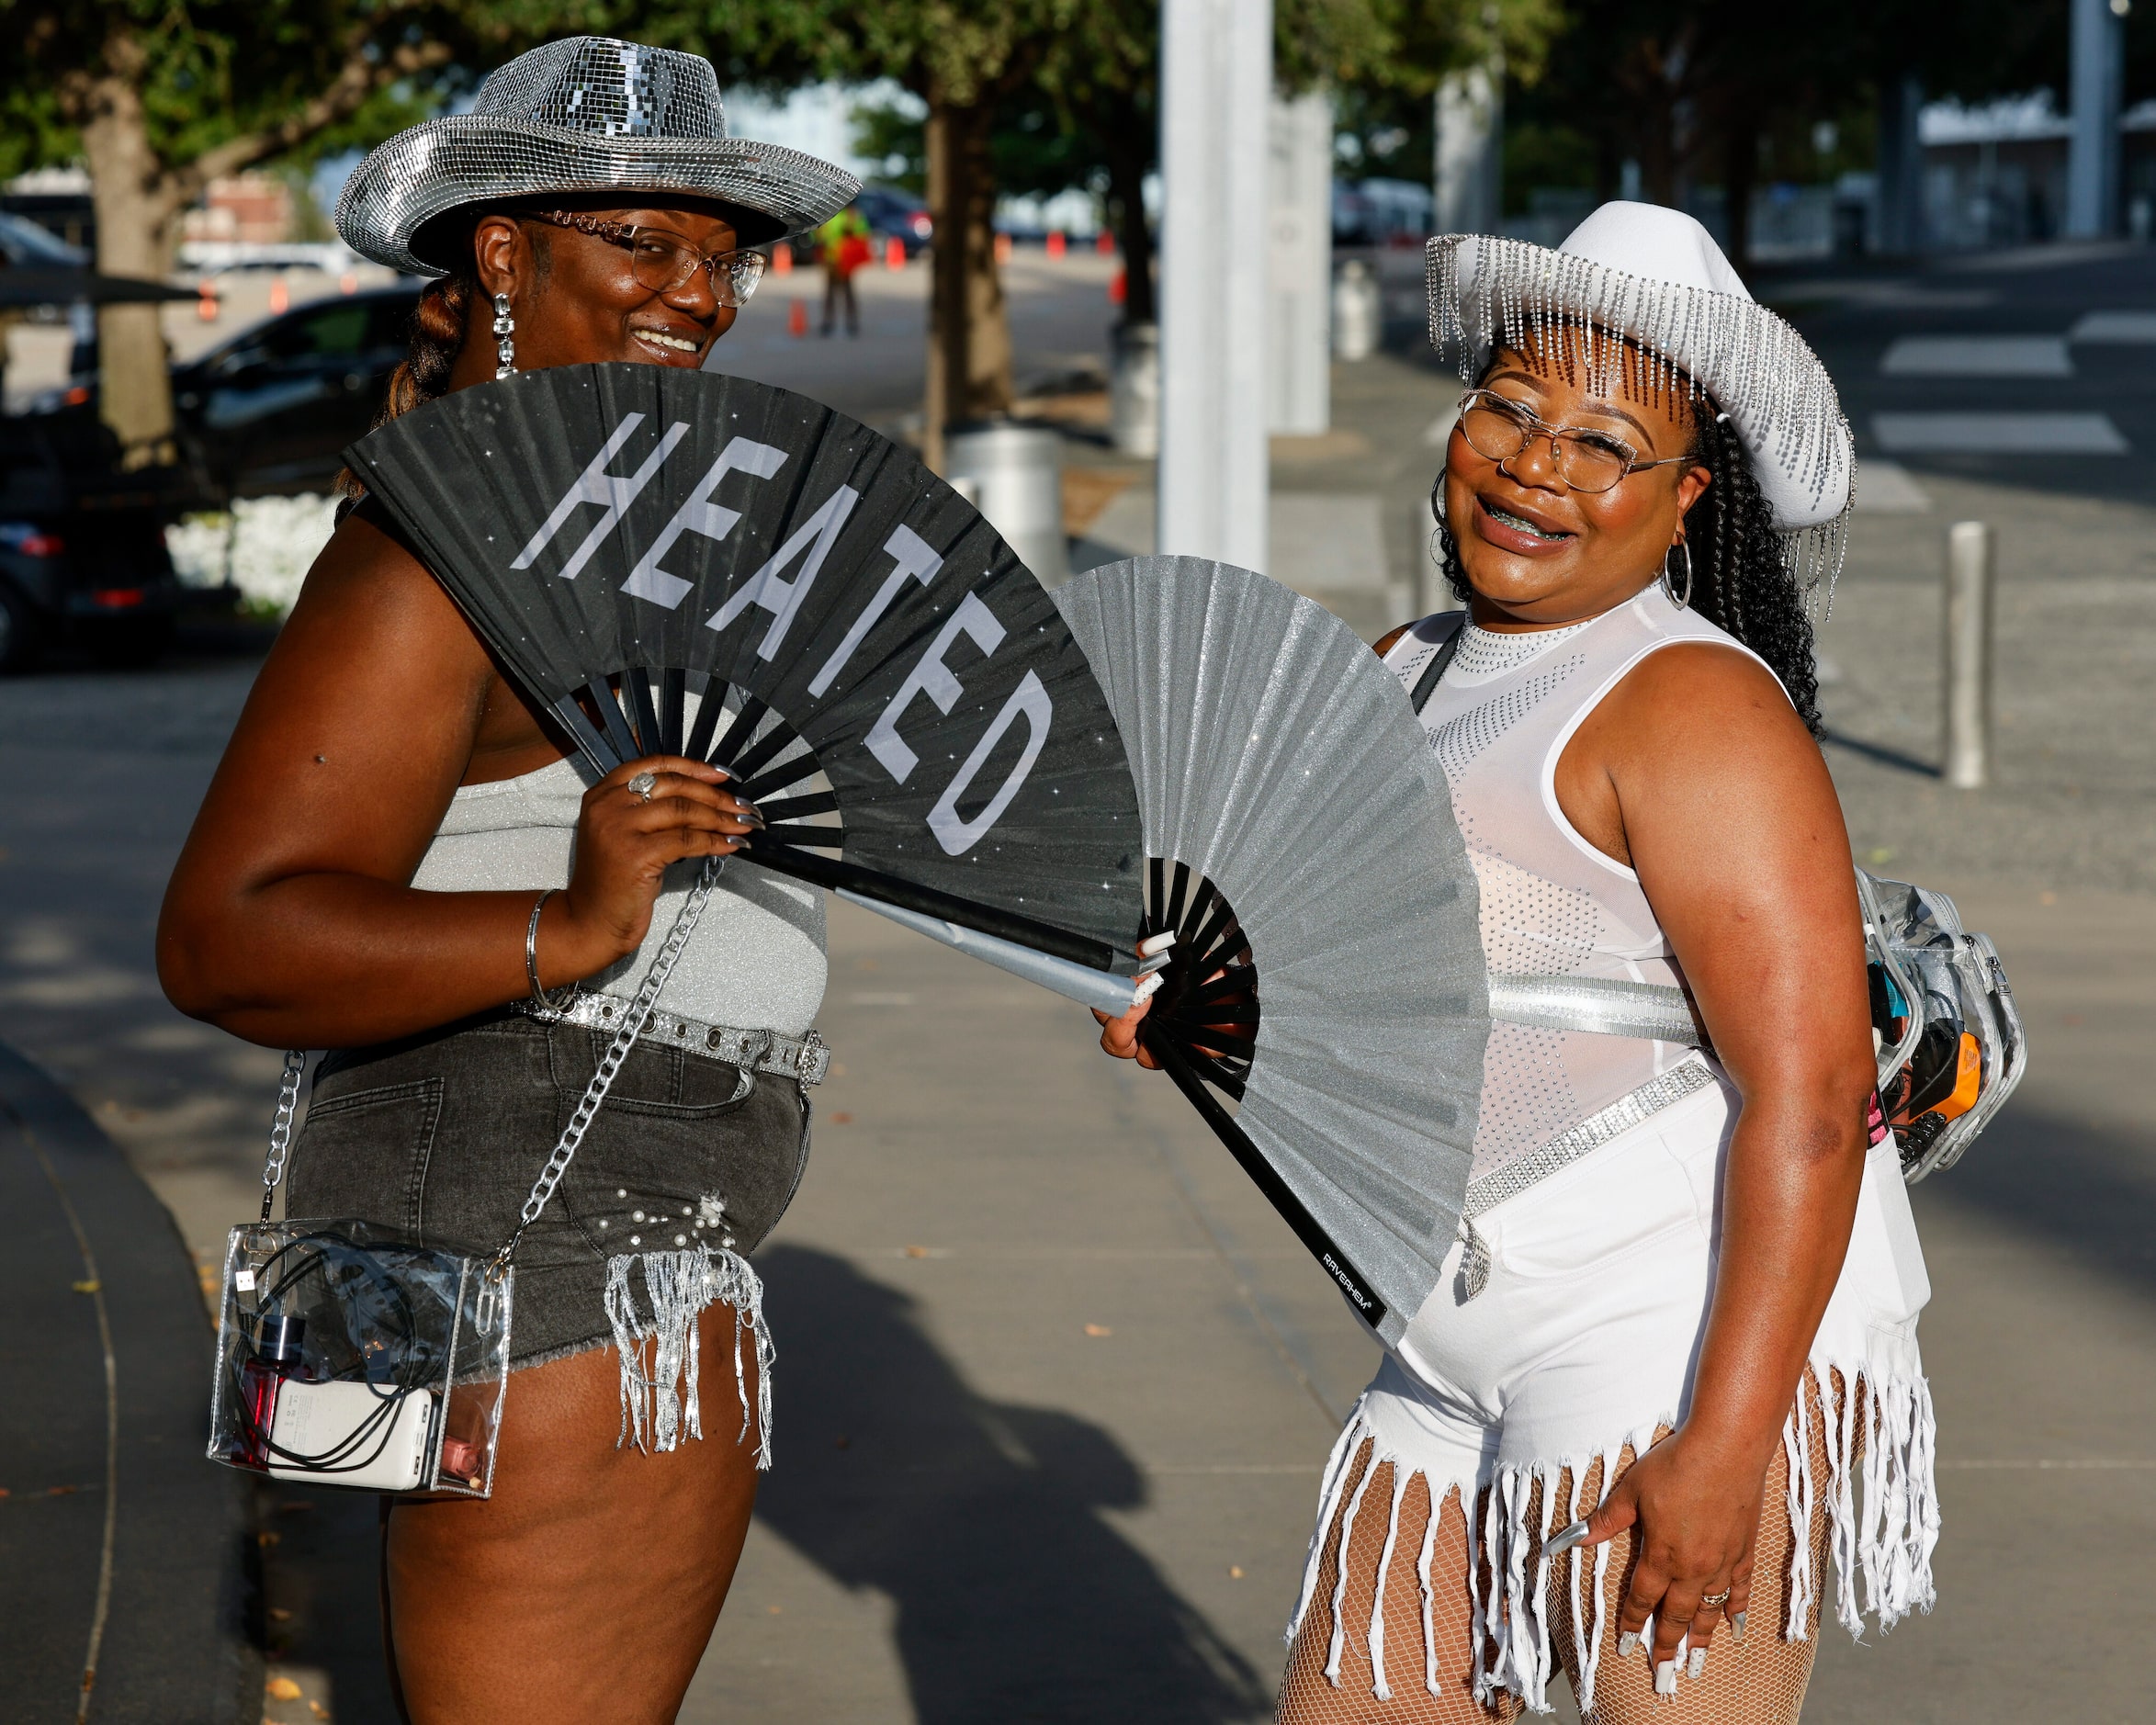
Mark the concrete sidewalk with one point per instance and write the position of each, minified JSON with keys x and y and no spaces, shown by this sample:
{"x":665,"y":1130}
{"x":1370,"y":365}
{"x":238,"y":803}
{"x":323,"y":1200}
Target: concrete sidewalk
{"x":125,"y":1574}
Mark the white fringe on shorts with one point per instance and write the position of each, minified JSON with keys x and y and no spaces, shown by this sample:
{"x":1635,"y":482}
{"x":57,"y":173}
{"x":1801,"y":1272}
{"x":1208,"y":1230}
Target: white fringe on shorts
{"x":659,"y":1401}
{"x":1887,"y":1535}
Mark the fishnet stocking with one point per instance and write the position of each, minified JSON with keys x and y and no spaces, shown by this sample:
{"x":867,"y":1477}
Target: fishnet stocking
{"x":1760,"y":1681}
{"x":1307,"y":1697}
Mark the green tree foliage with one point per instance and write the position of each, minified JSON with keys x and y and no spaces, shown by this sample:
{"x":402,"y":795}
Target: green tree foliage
{"x":160,"y":96}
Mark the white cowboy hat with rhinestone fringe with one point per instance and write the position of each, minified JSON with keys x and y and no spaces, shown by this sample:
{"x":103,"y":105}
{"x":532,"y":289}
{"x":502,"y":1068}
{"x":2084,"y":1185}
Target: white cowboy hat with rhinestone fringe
{"x":586,"y":114}
{"x":1656,"y":277}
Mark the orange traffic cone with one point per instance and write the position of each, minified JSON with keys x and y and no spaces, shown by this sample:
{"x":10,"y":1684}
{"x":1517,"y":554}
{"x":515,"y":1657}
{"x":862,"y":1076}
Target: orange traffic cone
{"x":797,"y":318}
{"x":1056,"y":243}
{"x":1104,"y":242}
{"x":894,"y":252}
{"x":782,"y":261}
{"x":206,"y":305}
{"x":1118,"y":287}
{"x":1002,"y":248}
{"x":280,"y":297}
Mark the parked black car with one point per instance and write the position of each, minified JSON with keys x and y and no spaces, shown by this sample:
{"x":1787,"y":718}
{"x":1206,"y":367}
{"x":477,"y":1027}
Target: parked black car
{"x":273,"y":409}
{"x":82,"y":543}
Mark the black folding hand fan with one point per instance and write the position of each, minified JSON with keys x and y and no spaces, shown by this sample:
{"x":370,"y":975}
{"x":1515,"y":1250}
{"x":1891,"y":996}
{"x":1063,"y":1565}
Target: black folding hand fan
{"x":684,"y":563}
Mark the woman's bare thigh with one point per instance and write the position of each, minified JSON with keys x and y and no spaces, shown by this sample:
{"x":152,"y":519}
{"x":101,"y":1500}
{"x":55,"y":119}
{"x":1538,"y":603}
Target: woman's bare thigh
{"x":586,"y":1588}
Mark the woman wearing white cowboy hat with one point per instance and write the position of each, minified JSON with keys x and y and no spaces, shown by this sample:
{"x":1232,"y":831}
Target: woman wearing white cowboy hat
{"x":1674,"y":1367}
{"x":590,"y":207}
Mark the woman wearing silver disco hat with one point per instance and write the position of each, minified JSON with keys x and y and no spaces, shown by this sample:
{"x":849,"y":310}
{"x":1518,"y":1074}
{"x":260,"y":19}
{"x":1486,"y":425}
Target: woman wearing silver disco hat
{"x":385,"y":859}
{"x":1671,"y":1367}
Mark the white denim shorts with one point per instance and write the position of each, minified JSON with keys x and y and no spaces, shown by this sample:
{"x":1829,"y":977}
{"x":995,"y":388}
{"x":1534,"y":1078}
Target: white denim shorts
{"x":1586,"y":1340}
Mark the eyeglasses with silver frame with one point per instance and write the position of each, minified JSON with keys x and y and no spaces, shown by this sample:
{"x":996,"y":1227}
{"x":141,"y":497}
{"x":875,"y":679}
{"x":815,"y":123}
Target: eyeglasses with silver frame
{"x":1497,"y":428}
{"x":662,"y":260}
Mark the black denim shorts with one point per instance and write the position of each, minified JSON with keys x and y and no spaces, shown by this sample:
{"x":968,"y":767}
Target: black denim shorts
{"x":440,"y":1137}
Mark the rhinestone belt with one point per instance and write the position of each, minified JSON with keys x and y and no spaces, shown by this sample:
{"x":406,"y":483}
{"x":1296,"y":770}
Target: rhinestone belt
{"x":804,"y":1057}
{"x":1591,"y":1134}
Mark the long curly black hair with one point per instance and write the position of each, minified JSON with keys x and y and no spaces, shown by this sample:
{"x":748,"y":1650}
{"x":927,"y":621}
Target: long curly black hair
{"x":1743,"y":578}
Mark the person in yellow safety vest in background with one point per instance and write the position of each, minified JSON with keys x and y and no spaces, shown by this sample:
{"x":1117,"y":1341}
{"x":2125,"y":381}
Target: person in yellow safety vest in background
{"x":843,"y":244}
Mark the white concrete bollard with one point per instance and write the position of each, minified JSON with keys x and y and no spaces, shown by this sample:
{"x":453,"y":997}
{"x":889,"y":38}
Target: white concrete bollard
{"x":1013,"y":474}
{"x":1134,"y":389}
{"x":1971,"y":571}
{"x":1358,"y":315}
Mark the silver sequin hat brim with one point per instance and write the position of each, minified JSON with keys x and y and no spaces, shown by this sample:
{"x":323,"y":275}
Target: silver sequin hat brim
{"x":1682,"y":303}
{"x":581,"y":114}
{"x":444,"y":165}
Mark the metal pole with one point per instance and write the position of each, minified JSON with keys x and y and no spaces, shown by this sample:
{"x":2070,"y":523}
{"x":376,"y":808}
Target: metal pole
{"x":1216,"y":108}
{"x":1971,"y":567}
{"x":1300,"y":248}
{"x":1469,"y":121}
{"x":2098,"y":59}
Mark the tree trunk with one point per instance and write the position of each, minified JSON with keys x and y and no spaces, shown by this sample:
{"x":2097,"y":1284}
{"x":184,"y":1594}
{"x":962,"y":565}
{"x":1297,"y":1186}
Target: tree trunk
{"x":1129,"y":151}
{"x":135,"y":208}
{"x":969,"y":331}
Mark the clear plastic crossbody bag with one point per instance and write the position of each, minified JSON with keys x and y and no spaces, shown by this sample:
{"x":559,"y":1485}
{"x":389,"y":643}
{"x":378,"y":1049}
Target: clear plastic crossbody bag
{"x":347,"y":1355}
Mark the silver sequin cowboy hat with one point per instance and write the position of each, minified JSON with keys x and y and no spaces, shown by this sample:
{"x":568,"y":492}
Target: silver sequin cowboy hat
{"x":1656,"y":277}
{"x":587,"y":113}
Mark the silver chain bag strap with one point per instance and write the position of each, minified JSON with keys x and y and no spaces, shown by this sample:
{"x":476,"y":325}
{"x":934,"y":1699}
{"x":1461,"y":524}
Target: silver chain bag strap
{"x":347,"y":1355}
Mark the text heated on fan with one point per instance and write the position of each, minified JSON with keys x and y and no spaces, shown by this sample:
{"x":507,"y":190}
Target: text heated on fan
{"x":780,"y":596}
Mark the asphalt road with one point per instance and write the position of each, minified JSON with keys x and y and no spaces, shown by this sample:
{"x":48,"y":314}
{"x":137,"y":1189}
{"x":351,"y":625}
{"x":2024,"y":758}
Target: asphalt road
{"x":1055,"y":1386}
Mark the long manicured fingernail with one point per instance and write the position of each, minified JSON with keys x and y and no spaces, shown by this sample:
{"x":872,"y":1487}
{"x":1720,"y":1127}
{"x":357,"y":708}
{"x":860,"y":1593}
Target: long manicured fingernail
{"x":1154,"y":943}
{"x":1147,"y":987}
{"x":1628,"y":1644}
{"x":1564,"y":1538}
{"x":1736,"y":1624}
{"x":1665,"y":1677}
{"x":1697,"y":1665}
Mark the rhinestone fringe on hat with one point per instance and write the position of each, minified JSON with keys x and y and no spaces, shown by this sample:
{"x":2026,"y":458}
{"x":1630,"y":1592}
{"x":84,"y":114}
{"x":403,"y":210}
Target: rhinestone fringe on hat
{"x":1766,"y":378}
{"x":586,"y":114}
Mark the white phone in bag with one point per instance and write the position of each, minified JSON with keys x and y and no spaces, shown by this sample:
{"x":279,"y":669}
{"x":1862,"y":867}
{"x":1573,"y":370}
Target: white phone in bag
{"x":319,"y":1419}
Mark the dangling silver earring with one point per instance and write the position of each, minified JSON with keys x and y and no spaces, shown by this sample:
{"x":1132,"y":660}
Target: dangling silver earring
{"x":504,"y":338}
{"x":1680,"y":600}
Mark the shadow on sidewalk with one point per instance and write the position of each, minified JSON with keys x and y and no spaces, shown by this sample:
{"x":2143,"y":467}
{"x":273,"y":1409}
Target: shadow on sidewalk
{"x":2073,"y":1185}
{"x":1017,"y":1598}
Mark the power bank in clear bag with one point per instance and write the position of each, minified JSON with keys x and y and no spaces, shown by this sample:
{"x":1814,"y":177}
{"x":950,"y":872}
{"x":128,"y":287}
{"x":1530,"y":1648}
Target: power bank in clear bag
{"x":347,"y":1357}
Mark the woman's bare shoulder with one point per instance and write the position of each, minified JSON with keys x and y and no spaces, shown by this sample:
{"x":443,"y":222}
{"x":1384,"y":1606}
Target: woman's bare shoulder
{"x":374,"y":645}
{"x":367,"y":563}
{"x":1700,"y":725}
{"x":1705,"y":687}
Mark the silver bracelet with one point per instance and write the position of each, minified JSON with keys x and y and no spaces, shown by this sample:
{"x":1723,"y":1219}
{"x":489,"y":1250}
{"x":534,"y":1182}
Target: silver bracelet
{"x":543,"y":1007}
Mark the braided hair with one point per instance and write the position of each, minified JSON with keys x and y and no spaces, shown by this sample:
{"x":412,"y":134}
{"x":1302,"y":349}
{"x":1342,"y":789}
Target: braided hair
{"x":1745,"y":584}
{"x":422,"y":375}
{"x":1742,"y":579}
{"x":439,"y":325}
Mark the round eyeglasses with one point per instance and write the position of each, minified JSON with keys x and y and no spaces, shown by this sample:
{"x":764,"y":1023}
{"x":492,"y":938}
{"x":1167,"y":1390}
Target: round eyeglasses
{"x":662,"y":260}
{"x":1497,"y":428}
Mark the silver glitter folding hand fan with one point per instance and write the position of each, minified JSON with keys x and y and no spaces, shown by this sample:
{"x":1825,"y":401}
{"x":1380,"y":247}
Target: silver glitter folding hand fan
{"x":677,"y":562}
{"x":1327,"y":971}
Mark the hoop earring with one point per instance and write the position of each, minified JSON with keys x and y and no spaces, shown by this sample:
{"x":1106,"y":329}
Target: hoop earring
{"x":1668,"y":586}
{"x":504,"y":338}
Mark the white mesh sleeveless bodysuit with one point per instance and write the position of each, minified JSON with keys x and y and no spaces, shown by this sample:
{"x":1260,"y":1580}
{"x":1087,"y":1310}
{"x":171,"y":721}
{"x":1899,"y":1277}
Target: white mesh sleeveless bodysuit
{"x":1551,"y":904}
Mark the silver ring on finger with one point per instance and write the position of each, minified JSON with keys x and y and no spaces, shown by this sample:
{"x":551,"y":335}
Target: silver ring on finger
{"x":643,"y":785}
{"x":1720,"y":1598}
